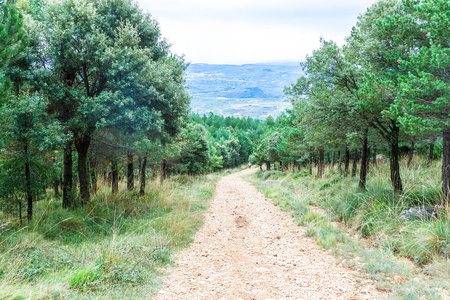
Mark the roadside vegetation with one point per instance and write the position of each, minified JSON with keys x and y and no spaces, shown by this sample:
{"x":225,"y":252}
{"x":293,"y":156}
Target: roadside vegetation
{"x":411,"y":258}
{"x":114,"y":249}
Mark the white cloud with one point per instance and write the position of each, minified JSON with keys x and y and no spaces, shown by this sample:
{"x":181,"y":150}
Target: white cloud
{"x":237,"y":31}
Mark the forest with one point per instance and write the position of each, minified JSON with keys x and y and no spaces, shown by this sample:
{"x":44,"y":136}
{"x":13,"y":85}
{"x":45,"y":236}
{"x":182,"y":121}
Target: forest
{"x":386,"y":89}
{"x":101,"y":98}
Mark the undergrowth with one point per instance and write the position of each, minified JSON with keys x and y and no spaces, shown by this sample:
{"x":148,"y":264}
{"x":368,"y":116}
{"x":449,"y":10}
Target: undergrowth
{"x":409,"y":258}
{"x":114,"y":248}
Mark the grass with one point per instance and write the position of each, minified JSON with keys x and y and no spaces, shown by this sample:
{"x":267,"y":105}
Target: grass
{"x":411,"y":259}
{"x":116,"y":248}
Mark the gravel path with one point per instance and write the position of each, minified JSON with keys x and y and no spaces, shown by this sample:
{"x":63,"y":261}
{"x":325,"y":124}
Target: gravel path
{"x":249,"y":249}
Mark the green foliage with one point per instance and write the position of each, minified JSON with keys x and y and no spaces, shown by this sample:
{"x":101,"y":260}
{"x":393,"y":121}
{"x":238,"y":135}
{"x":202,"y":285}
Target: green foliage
{"x":424,"y":88}
{"x":110,"y":75}
{"x":231,"y":140}
{"x":12,"y":40}
{"x":195,"y":152}
{"x":26,"y":132}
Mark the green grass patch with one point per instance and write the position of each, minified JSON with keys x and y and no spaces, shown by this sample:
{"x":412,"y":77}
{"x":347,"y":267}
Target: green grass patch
{"x":115,"y":248}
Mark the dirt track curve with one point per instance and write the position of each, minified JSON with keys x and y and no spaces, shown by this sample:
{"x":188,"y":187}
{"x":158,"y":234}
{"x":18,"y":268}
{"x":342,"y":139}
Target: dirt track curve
{"x":249,"y":249}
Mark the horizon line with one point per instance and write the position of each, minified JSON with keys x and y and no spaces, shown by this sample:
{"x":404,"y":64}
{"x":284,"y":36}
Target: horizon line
{"x":246,"y":63}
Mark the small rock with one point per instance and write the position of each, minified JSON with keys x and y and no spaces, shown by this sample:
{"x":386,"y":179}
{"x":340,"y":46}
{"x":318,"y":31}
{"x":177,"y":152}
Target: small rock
{"x":419,"y":213}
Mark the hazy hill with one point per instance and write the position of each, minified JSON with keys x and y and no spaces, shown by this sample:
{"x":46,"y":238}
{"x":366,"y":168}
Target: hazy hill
{"x":254,"y":90}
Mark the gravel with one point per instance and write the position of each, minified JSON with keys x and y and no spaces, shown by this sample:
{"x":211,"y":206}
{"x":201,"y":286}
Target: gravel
{"x":248,"y":249}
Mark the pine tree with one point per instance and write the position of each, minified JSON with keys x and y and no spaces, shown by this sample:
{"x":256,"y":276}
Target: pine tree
{"x":12,"y":39}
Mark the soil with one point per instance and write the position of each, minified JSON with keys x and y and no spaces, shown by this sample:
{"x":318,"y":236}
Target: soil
{"x":248,"y":249}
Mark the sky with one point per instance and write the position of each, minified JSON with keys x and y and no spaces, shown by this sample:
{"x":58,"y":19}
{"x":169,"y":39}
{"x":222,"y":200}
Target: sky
{"x":252,"y":31}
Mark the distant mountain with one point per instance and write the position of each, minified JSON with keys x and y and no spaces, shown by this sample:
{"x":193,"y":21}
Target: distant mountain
{"x":245,"y":93}
{"x":254,"y":90}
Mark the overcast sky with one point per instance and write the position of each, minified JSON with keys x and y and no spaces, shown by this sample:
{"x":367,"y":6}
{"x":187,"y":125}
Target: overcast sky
{"x":251,"y":31}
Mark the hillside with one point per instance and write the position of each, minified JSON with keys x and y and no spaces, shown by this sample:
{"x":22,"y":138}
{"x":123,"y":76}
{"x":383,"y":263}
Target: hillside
{"x":254,"y":90}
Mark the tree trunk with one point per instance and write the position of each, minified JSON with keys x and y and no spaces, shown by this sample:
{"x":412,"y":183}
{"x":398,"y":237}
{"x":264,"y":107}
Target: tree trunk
{"x":130,"y":173}
{"x":411,"y":154}
{"x":28,"y":185}
{"x":355,"y":159}
{"x":430,"y":154}
{"x":346,"y":161}
{"x":20,"y":212}
{"x":364,"y":162}
{"x":142,"y":172}
{"x":93,"y":173}
{"x":281,"y":166}
{"x":340,"y":162}
{"x":139,"y":166}
{"x":310,"y":163}
{"x":162,"y":171}
{"x":394,"y":160}
{"x":320,"y":162}
{"x":82,"y":145}
{"x":68,"y":176}
{"x":114,"y":178}
{"x":445,"y":168}
{"x":268,"y":166}
{"x":56,"y":183}
{"x":56,"y":188}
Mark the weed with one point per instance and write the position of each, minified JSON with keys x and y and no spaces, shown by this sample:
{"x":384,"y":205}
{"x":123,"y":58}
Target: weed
{"x":85,"y":277}
{"x":162,"y":254}
{"x":324,"y":186}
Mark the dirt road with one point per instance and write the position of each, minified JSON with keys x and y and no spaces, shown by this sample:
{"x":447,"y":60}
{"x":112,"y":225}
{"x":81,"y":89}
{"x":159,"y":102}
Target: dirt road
{"x":249,"y":249}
